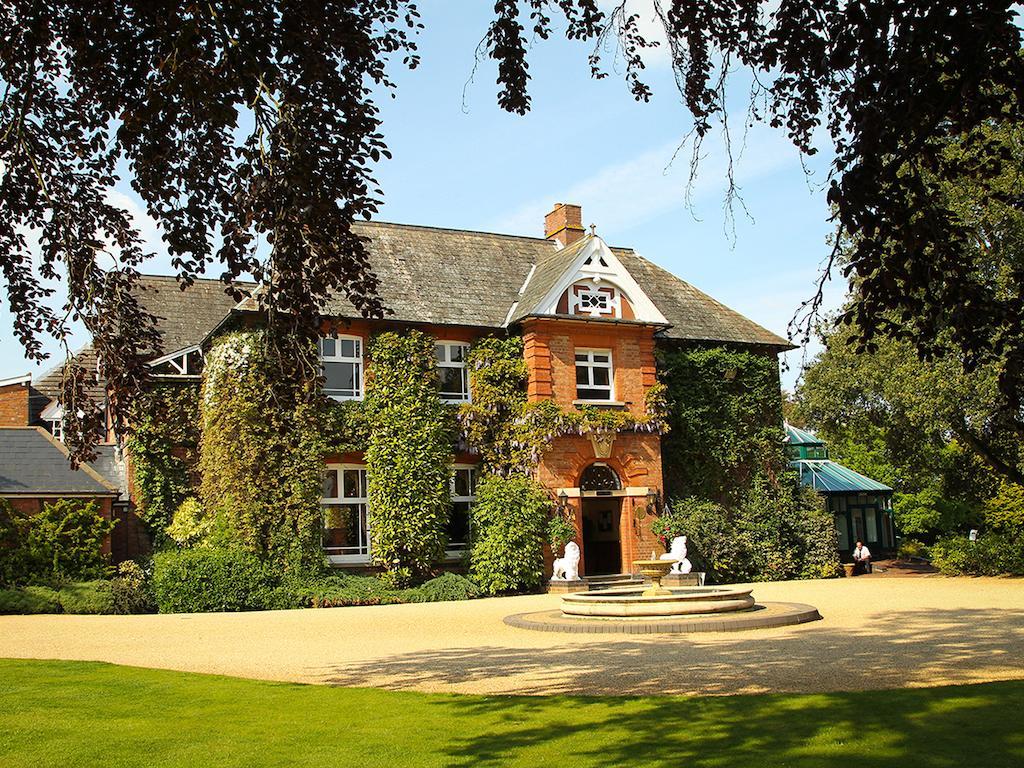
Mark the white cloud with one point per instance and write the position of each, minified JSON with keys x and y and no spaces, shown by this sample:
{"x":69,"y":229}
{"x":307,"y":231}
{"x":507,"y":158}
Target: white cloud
{"x":624,"y":195}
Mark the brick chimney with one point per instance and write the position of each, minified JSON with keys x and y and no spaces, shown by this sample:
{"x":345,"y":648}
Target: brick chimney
{"x":14,"y":401}
{"x":564,"y":224}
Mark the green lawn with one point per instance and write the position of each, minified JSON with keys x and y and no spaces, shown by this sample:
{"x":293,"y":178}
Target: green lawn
{"x":90,"y":714}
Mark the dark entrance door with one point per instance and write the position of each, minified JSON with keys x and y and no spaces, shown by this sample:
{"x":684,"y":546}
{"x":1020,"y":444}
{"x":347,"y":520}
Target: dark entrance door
{"x":601,"y":548}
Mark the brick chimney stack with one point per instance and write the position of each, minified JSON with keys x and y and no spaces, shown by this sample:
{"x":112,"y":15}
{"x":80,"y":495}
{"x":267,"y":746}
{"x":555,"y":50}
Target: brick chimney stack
{"x":14,"y":401}
{"x":564,"y":224}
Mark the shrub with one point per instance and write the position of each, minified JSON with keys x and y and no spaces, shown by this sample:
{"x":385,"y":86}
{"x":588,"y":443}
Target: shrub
{"x":560,"y":533}
{"x":197,"y":580}
{"x":89,"y":597}
{"x":910,"y":549}
{"x":447,"y":586}
{"x":334,"y":591}
{"x":1005,"y":511}
{"x":61,"y":542}
{"x":993,"y":554}
{"x":131,"y":590}
{"x":27,"y":600}
{"x":508,"y":534}
{"x":778,"y":531}
{"x":191,"y":525}
{"x":716,"y":542}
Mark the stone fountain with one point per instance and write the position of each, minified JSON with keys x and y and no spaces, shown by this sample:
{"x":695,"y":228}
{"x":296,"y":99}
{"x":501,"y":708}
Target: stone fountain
{"x":654,"y":608}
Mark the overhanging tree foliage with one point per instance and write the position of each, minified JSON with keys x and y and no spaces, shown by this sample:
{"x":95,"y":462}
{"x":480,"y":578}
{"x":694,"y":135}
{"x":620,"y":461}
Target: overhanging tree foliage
{"x":248,"y":123}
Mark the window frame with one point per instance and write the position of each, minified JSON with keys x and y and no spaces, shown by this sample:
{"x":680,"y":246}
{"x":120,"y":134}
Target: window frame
{"x":447,"y":344}
{"x":359,"y":360}
{"x":365,"y":546}
{"x":461,"y":547}
{"x":590,"y":365}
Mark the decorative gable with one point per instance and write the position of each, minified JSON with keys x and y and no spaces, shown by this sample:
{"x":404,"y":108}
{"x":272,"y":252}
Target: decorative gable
{"x":595,"y":284}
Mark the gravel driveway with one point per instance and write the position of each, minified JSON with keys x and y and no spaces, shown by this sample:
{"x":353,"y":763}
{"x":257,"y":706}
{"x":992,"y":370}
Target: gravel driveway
{"x":876,"y":633}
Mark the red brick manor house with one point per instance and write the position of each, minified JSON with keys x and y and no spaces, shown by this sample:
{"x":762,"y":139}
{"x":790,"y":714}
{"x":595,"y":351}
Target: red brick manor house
{"x":591,"y":317}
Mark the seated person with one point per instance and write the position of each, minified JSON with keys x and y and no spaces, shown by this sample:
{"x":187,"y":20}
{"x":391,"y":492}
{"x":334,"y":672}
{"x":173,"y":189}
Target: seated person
{"x":862,"y":557}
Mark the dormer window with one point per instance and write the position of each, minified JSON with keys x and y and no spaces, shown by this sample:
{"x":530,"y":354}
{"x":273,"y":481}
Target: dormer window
{"x":594,"y":375}
{"x":451,"y":370}
{"x":341,"y":360}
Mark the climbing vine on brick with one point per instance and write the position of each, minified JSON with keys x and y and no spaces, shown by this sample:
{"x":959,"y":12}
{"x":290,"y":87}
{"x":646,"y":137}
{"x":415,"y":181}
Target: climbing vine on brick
{"x":724,"y":412}
{"x":164,"y":449}
{"x":261,"y":451}
{"x":408,"y":456}
{"x":510,"y":434}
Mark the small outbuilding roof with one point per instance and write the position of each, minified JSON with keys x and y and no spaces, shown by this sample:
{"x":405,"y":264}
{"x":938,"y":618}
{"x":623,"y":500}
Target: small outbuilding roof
{"x":797,"y":436}
{"x":827,"y":476}
{"x":32,"y":463}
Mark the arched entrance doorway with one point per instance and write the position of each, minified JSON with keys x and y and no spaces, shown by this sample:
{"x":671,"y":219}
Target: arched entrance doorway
{"x":601,"y":509}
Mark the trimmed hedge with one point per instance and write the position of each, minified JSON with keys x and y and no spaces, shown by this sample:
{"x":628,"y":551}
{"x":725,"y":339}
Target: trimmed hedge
{"x":88,"y":597}
{"x":85,"y":597}
{"x":202,"y":580}
{"x":335,"y":591}
{"x":26,"y":600}
{"x":212,"y":580}
{"x":447,"y":586}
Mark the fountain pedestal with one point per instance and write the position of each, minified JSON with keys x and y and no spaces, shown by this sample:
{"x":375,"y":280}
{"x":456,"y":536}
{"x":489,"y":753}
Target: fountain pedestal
{"x":655,"y":570}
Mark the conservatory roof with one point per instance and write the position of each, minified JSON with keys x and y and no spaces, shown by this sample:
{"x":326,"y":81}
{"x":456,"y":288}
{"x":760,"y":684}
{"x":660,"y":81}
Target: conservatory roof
{"x":828,"y":477}
{"x":797,"y":436}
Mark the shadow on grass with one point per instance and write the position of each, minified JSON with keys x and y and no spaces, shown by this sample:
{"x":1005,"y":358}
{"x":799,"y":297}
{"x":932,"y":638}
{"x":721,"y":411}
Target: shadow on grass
{"x":917,"y":647}
{"x":965,"y":726}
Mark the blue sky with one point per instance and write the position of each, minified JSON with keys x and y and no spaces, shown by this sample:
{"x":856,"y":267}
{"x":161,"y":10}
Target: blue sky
{"x":459,"y":161}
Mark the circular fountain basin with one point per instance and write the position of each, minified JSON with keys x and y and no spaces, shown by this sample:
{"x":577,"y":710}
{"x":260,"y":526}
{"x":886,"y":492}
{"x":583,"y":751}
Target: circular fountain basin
{"x":632,"y":603}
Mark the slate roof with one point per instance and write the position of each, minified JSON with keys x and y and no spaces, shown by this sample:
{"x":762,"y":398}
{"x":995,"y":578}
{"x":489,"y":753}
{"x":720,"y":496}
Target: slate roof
{"x":184,"y":319}
{"x":32,"y":463}
{"x":461,"y":277}
{"x":550,"y":268}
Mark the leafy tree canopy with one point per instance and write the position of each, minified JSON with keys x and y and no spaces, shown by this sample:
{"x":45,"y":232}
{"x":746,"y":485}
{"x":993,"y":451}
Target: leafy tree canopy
{"x":250,"y":123}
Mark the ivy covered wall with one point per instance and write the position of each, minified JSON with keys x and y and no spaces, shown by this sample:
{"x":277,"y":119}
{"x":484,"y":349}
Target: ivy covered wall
{"x":164,"y":450}
{"x":261,"y":451}
{"x":723,"y":407}
{"x":408,"y":456}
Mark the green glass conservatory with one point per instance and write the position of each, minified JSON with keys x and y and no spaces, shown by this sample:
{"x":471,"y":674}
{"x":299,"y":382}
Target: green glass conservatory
{"x":860,"y":506}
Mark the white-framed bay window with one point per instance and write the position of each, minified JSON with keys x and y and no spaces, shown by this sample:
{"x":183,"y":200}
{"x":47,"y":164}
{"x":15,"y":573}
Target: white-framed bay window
{"x":346,"y":537}
{"x":451,"y":370}
{"x":463,"y":493}
{"x":594,"y":375}
{"x":341,"y":360}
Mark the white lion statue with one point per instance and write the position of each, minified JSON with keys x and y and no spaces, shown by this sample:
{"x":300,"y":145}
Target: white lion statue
{"x":567,"y":567}
{"x":677,"y":553}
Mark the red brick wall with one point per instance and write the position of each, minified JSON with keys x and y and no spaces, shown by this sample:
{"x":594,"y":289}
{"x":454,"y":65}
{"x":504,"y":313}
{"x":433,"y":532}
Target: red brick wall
{"x":14,"y":405}
{"x":550,"y":349}
{"x":636,"y":459}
